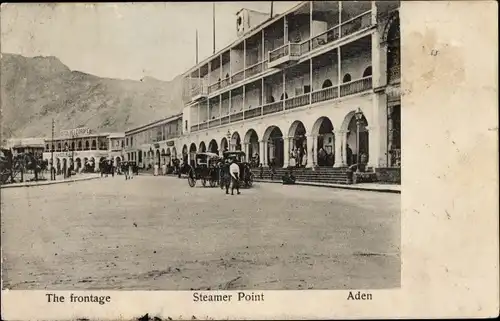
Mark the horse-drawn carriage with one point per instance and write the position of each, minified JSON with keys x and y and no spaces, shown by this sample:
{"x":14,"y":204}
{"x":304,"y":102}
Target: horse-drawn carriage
{"x":206,"y":169}
{"x":246,"y":175}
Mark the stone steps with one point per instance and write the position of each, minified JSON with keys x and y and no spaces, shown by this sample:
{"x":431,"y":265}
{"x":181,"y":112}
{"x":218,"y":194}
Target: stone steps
{"x":320,"y":175}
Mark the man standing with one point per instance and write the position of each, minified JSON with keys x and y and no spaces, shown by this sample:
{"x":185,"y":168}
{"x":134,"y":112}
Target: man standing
{"x":234,"y":170}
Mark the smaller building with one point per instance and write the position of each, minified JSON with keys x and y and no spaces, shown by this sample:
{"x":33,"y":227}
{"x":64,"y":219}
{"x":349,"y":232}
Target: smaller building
{"x":34,"y":146}
{"x":83,"y":149}
{"x":154,"y":143}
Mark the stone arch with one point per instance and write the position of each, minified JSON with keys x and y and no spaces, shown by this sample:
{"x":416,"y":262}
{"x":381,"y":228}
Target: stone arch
{"x":235,"y":143}
{"x":202,"y":148}
{"x":327,"y":83}
{"x":251,"y":141}
{"x":185,"y":153}
{"x":273,"y":137}
{"x":350,"y":125}
{"x":79,"y":145}
{"x":78,"y":164}
{"x":163,"y":156}
{"x":213,"y":147}
{"x":347,"y":78}
{"x":224,"y":144}
{"x":192,"y":154}
{"x":298,"y":142}
{"x":94,"y":144}
{"x":367,"y":72}
{"x":391,"y":29}
{"x":87,"y":145}
{"x":284,"y":96}
{"x":324,"y":151}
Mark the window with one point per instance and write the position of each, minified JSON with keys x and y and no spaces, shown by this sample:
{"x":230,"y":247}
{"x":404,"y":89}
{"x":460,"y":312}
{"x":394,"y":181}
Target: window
{"x":307,"y":89}
{"x":80,"y":145}
{"x":87,"y":145}
{"x":327,"y":83}
{"x":47,"y":147}
{"x":127,"y":141}
{"x":185,"y":125}
{"x":347,"y":78}
{"x":284,"y":95}
{"x":367,"y":72}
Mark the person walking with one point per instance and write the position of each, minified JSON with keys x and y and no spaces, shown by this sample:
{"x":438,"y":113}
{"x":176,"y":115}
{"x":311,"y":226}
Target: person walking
{"x":130,"y":171}
{"x":234,"y":170}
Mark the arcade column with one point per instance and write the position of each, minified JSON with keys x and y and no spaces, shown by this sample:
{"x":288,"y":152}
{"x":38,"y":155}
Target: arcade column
{"x":340,"y":148}
{"x":286,"y":151}
{"x":263,"y":152}
{"x":312,"y":141}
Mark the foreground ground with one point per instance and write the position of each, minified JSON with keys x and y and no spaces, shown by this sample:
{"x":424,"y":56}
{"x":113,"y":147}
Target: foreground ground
{"x":157,"y":233}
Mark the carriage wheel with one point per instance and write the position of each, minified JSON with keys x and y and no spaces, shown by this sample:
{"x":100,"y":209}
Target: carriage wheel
{"x":213,"y":183}
{"x":203,"y":182}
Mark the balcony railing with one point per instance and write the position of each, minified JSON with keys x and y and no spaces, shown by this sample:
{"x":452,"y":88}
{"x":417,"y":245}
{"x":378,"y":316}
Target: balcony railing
{"x":254,"y":112}
{"x":214,"y":123}
{"x":326,"y":37}
{"x":238,"y":76}
{"x":225,"y":82}
{"x":289,"y":49}
{"x":356,"y":86}
{"x":325,"y":94}
{"x":214,"y":87}
{"x":255,"y":69}
{"x":297,"y":101}
{"x":355,"y":24}
{"x":394,"y":74}
{"x":224,"y":120}
{"x":272,"y":107}
{"x":199,"y":91}
{"x":237,"y":116}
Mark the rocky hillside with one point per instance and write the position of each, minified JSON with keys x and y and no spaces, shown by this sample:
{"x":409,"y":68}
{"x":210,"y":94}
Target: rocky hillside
{"x":35,"y":90}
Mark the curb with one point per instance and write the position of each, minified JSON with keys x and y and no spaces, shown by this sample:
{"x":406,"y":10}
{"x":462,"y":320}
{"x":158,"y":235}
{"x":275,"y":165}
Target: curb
{"x":48,"y":183}
{"x":351,"y":187}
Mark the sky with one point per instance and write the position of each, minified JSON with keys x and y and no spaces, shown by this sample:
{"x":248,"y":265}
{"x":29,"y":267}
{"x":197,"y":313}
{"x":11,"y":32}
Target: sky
{"x":126,"y":40}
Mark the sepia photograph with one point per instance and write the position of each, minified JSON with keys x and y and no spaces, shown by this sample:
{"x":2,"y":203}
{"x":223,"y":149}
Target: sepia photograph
{"x":212,"y":147}
{"x":272,"y":162}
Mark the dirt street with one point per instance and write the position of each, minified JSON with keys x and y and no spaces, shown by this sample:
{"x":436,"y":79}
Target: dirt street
{"x":157,"y":233}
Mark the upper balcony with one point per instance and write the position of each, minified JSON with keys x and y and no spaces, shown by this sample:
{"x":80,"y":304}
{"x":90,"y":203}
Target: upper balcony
{"x":305,"y":33}
{"x":293,"y":51}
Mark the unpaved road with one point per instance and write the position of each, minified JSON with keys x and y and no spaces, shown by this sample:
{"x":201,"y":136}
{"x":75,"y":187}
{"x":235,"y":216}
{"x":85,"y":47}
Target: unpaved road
{"x":157,"y":233}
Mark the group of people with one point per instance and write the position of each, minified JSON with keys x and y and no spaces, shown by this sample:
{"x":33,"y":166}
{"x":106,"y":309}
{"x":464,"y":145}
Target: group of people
{"x":298,"y":157}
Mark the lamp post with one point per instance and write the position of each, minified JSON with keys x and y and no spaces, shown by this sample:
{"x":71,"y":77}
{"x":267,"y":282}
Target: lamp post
{"x":359,"y":120}
{"x":52,"y":145}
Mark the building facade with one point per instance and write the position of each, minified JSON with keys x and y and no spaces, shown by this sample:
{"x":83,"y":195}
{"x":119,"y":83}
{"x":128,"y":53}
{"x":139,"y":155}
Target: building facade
{"x":84,"y":149}
{"x":155,"y":143}
{"x":34,"y":146}
{"x":322,"y":78}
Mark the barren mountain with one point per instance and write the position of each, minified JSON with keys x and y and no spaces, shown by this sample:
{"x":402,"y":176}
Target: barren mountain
{"x":35,"y":90}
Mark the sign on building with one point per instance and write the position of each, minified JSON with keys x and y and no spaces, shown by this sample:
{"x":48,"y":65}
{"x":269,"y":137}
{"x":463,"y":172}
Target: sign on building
{"x":77,"y":132}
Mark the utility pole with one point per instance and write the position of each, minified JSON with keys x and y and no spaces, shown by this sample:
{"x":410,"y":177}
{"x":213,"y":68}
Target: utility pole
{"x":272,"y":5}
{"x":52,"y":144}
{"x":196,"y":46}
{"x":213,"y":14}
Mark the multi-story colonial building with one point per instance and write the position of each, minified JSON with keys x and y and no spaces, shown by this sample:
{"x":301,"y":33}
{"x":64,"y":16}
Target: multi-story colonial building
{"x":84,"y":149}
{"x":154,"y":143}
{"x":322,"y":77}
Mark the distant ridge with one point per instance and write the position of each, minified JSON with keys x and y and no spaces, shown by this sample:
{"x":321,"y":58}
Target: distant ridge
{"x":35,"y":90}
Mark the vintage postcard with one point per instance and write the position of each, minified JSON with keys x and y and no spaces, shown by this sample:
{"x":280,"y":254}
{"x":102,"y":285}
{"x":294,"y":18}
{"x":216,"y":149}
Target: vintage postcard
{"x":249,"y":160}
